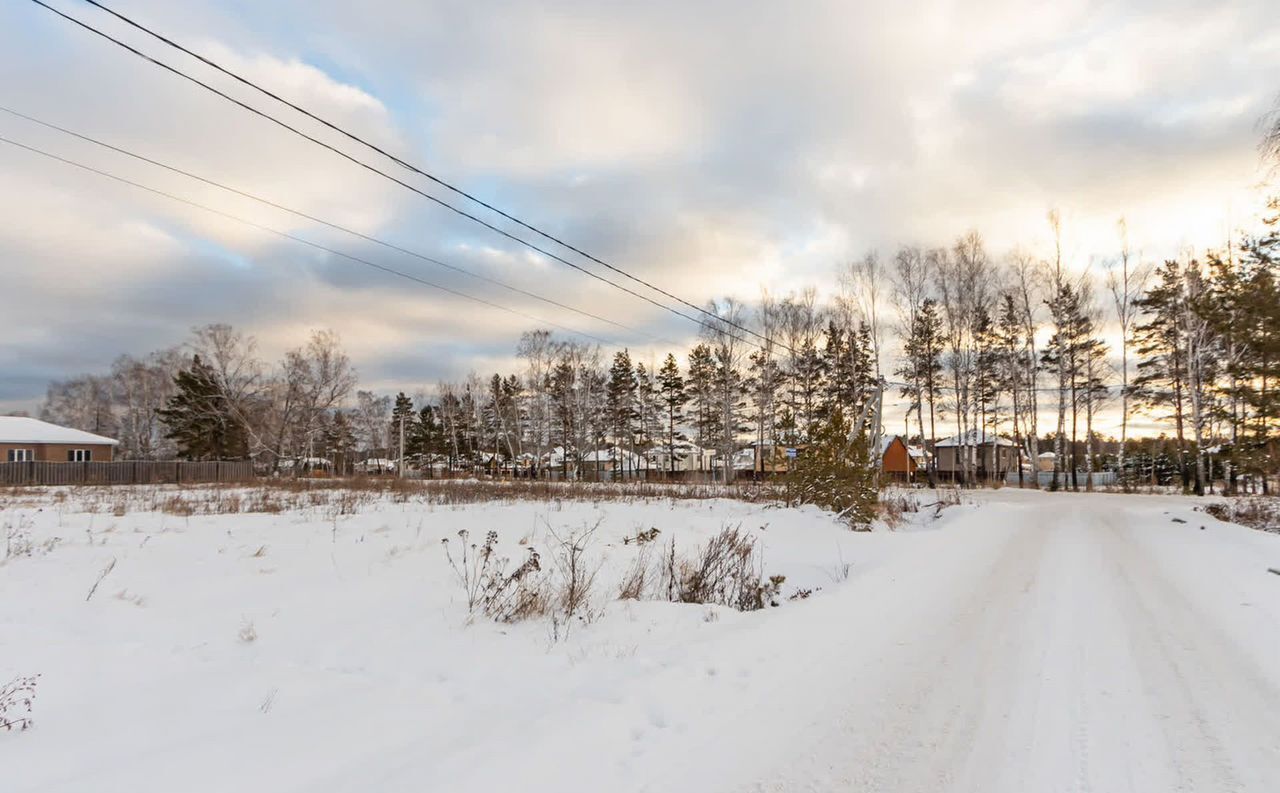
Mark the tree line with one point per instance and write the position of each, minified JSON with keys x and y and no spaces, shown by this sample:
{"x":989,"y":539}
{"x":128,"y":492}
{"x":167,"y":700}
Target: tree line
{"x":977,"y":346}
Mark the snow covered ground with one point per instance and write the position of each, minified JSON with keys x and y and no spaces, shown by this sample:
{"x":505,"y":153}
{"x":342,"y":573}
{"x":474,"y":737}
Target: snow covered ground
{"x":1022,"y":642}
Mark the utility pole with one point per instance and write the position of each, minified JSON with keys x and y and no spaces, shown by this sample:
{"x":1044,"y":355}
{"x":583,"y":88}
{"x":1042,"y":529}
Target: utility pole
{"x":869,"y":417}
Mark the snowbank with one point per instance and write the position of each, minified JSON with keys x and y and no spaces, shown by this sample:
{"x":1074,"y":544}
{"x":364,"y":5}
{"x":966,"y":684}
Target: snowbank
{"x":302,"y":650}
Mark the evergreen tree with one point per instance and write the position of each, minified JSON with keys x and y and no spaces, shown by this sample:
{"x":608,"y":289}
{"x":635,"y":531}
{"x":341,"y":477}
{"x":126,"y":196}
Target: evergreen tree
{"x":648,"y":425}
{"x":199,"y":420}
{"x":865,"y":374}
{"x":838,"y":369}
{"x":1261,"y":358}
{"x":620,"y":403}
{"x":339,"y":442}
{"x":807,"y":388}
{"x":1010,"y":355}
{"x":426,"y":437}
{"x":701,"y":390}
{"x":986,"y":371}
{"x":402,"y":412}
{"x":673,"y":398}
{"x":727,"y":383}
{"x":836,"y":471}
{"x":513,"y":400}
{"x":764,"y":378}
{"x":922,"y":367}
{"x":1161,"y":383}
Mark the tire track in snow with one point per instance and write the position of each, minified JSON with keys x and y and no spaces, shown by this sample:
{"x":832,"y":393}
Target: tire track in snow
{"x":1073,"y":665}
{"x":943,"y":701}
{"x":1224,"y":709}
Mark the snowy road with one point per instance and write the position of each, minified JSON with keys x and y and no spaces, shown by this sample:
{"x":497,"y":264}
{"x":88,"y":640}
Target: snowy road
{"x":1040,"y":643}
{"x":1074,"y":655}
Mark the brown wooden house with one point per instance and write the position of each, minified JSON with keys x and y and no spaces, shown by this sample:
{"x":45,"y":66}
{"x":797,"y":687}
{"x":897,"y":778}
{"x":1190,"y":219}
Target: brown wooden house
{"x":25,"y":439}
{"x":898,"y":460}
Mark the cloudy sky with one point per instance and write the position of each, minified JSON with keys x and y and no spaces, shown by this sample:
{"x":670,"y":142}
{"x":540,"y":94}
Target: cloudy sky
{"x":714,"y":148}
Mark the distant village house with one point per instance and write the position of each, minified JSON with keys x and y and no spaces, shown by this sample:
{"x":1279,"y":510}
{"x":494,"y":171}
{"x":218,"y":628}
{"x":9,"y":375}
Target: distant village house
{"x":25,"y":439}
{"x":993,"y":456}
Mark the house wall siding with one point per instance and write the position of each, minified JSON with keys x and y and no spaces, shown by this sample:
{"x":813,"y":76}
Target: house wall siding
{"x":897,"y":460}
{"x":57,"y":452}
{"x":949,"y":460}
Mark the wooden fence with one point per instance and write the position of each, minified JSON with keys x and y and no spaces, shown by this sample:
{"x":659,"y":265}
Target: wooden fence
{"x":124,"y":473}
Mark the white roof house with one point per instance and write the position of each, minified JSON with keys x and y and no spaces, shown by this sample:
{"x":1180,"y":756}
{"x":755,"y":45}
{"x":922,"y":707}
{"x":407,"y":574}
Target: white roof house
{"x":21,"y":429}
{"x":975,"y":437}
{"x":622,"y":457}
{"x":689,"y":457}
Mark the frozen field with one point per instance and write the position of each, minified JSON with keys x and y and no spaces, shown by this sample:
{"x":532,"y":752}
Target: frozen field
{"x":1020,"y":642}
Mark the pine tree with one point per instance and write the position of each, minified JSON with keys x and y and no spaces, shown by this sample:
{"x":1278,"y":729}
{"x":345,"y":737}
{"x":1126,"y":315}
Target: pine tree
{"x":727,"y":384}
{"x":763,"y":380}
{"x":620,"y":401}
{"x":986,"y":374}
{"x":647,"y":408}
{"x":402,"y":417}
{"x":807,"y":387}
{"x":673,"y":398}
{"x":1261,"y":359}
{"x":922,"y":369}
{"x":495,"y":417}
{"x":838,"y":371}
{"x":1010,"y":363}
{"x":427,"y":437}
{"x":339,"y":441}
{"x":199,"y":420}
{"x":835,"y":472}
{"x":1161,"y":383}
{"x":701,"y":390}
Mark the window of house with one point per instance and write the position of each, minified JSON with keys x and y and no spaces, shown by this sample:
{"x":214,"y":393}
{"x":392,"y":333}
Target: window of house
{"x":20,"y":455}
{"x":79,"y":455}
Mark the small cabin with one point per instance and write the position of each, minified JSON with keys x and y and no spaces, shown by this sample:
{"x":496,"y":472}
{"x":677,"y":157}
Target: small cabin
{"x":24,"y":440}
{"x":897,"y":459}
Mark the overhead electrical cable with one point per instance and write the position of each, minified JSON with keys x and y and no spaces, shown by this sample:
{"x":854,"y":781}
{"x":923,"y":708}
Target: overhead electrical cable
{"x":405,"y":164}
{"x":717,"y":324}
{"x":323,"y":222}
{"x":309,"y":243}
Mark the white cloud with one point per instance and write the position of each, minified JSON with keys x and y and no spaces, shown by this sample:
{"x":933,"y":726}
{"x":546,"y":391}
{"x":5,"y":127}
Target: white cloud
{"x":712,"y":148}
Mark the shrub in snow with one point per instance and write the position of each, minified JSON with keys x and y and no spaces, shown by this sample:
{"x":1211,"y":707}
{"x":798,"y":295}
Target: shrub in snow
{"x":1257,"y":513}
{"x":577,"y":576}
{"x":17,"y":536}
{"x":17,"y":698}
{"x":506,"y":597}
{"x":893,"y":508}
{"x":471,"y":565}
{"x":725,"y":572}
{"x":636,"y":580}
{"x":518,"y":596}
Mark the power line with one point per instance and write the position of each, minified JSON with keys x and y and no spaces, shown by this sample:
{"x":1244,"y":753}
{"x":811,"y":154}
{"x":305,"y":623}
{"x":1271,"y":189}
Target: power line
{"x":321,"y":221}
{"x":720,"y":321}
{"x":332,"y":251}
{"x":405,"y":164}
{"x":309,"y":243}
